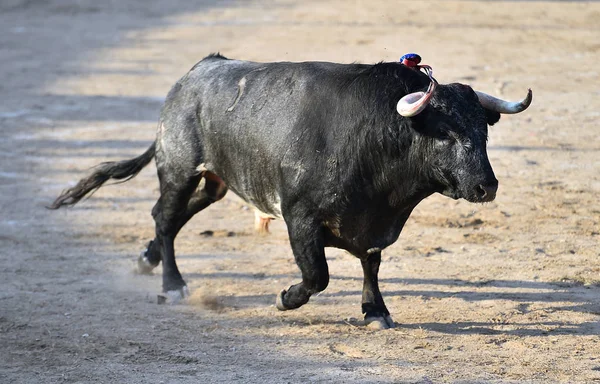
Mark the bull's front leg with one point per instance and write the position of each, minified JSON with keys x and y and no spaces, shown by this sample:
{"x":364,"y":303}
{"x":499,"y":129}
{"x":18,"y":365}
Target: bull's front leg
{"x":376,"y":314}
{"x":306,"y":239}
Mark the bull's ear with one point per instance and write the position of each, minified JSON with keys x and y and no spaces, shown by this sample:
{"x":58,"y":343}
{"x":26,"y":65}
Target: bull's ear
{"x":492,"y":117}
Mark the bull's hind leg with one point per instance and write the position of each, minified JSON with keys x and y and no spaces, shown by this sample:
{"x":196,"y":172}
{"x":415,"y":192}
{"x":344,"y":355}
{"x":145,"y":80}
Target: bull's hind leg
{"x":306,"y":239}
{"x":178,"y":203}
{"x":376,"y":314}
{"x":210,"y":189}
{"x":168,"y":212}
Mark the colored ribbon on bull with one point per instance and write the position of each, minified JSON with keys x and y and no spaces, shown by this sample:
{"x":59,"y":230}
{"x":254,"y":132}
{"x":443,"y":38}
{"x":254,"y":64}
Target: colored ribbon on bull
{"x":413,"y":60}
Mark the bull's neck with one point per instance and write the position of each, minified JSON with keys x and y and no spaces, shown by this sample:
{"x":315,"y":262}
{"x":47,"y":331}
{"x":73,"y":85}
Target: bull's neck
{"x":398,"y":173}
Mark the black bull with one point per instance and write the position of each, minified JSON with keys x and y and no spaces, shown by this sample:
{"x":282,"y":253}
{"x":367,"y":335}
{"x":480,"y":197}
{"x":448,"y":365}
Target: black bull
{"x":321,"y":145}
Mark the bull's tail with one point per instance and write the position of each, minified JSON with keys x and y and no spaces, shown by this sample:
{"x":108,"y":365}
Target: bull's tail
{"x":117,"y":170}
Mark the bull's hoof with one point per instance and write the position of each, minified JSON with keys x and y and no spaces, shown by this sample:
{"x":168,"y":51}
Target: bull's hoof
{"x":279,"y":302}
{"x":144,"y":266}
{"x":173,"y":297}
{"x":379,"y":322}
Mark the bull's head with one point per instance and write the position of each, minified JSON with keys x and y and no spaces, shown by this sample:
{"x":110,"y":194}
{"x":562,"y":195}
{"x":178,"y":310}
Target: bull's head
{"x":454,"y":130}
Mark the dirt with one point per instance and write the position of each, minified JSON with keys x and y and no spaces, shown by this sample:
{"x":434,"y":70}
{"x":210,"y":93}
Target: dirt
{"x":506,"y":292}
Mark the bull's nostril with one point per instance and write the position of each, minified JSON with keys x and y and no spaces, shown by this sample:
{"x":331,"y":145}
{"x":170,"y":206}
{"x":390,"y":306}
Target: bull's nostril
{"x":486,"y":192}
{"x":481,"y":191}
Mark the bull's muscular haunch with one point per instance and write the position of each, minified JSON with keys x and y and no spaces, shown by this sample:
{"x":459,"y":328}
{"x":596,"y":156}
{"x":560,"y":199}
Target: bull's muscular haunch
{"x":327,"y":147}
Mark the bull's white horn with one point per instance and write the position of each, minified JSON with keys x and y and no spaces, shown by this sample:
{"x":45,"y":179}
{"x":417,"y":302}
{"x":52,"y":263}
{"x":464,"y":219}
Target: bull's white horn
{"x":414,"y":103}
{"x":503,"y":106}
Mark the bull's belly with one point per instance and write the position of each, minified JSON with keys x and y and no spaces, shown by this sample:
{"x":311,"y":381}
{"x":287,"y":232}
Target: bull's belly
{"x":261,"y":196}
{"x":265,"y":207}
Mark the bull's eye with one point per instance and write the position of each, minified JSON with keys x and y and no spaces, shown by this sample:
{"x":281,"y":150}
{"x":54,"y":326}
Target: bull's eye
{"x":448,"y":136}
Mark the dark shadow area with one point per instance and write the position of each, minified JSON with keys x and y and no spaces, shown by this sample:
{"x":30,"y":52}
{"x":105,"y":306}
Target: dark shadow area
{"x":24,"y":21}
{"x":235,"y":276}
{"x":44,"y":41}
{"x":481,"y":328}
{"x":467,"y":283}
{"x":522,"y":300}
{"x":516,"y":284}
{"x":532,"y":328}
{"x":95,"y":108}
{"x":547,"y":297}
{"x":95,"y":203}
{"x":93,"y":144}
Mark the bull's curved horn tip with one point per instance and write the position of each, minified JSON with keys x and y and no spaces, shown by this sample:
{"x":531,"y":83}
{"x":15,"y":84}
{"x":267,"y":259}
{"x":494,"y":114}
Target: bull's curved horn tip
{"x":503,"y":106}
{"x":523,"y":105}
{"x":529,"y":96}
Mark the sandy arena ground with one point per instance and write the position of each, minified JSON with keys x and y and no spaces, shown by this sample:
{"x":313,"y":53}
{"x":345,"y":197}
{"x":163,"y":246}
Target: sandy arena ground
{"x":507,"y":292}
